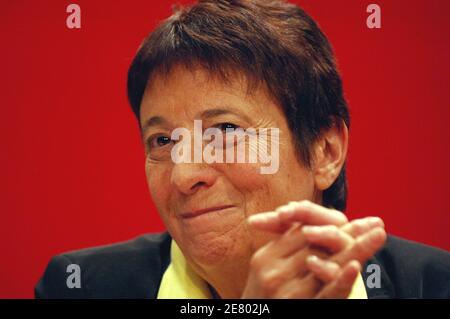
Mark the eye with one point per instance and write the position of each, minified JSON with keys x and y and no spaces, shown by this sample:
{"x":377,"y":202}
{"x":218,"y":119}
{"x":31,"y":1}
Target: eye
{"x":232,"y":134}
{"x":227,"y":126}
{"x":158,"y":147}
{"x":159,"y":141}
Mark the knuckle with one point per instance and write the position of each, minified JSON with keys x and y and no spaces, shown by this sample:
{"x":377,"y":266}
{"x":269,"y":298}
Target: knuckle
{"x":306,"y":203}
{"x":376,"y":220}
{"x":305,"y":214}
{"x":358,"y":227}
{"x":342,"y":290}
{"x":287,"y":207}
{"x":293,"y":203}
{"x":269,"y":282}
{"x":359,"y":248}
{"x":338,"y":213}
{"x":257,"y":260}
{"x":333,"y":231}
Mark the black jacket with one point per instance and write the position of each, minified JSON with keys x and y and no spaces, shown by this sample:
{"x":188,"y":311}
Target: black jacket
{"x":134,"y":269}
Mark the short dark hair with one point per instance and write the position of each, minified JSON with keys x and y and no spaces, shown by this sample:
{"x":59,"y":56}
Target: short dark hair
{"x":271,"y":42}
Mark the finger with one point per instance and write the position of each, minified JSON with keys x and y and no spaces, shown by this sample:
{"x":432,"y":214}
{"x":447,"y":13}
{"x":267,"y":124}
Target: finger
{"x":330,"y":237}
{"x":363,"y":247}
{"x":309,"y":213}
{"x":342,"y":286}
{"x":361,"y":226}
{"x":289,"y":243}
{"x":294,"y":265}
{"x":284,"y":271}
{"x":303,"y":212}
{"x":301,"y":288}
{"x":268,"y":221}
{"x":322,"y":238}
{"x":291,"y":250}
{"x":325,"y":271}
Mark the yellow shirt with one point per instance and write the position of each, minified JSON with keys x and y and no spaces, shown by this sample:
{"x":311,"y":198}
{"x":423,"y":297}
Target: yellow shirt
{"x":181,"y":282}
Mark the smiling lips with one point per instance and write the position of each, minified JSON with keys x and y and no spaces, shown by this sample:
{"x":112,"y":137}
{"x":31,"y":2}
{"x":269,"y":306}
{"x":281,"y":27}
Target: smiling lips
{"x":198,"y":212}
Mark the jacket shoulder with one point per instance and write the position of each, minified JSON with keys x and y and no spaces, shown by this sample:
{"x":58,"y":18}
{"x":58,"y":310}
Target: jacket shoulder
{"x":415,"y":270}
{"x":131,"y":269}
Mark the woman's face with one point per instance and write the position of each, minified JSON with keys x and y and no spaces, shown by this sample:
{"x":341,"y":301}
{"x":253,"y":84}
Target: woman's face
{"x":205,"y":206}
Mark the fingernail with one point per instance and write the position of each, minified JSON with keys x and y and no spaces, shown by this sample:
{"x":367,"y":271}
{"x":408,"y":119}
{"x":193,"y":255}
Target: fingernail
{"x":377,"y":232}
{"x":283,"y":209}
{"x":376,"y":221}
{"x":311,"y":230}
{"x":261,"y":217}
{"x":312,"y":259}
{"x":355,"y":264}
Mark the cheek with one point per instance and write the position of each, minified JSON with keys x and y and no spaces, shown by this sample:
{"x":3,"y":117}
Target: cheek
{"x":255,"y":189}
{"x":158,"y":182}
{"x":245,"y":178}
{"x":266,"y":192}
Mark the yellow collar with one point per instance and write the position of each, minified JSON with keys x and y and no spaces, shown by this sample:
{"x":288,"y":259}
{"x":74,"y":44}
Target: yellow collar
{"x":181,"y":282}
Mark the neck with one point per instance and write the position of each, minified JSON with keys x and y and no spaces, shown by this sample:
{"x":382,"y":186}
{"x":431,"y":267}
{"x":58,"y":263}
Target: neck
{"x":225,"y":282}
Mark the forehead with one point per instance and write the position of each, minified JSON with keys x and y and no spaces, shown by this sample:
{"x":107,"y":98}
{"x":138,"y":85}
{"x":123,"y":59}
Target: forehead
{"x":184,"y":94}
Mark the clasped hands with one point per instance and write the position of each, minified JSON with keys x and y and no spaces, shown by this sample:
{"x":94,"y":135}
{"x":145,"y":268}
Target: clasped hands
{"x":317,"y":252}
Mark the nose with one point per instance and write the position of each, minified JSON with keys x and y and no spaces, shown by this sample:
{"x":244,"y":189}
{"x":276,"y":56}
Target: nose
{"x":188,"y":178}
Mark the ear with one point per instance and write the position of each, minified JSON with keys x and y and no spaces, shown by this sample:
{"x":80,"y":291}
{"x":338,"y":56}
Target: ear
{"x":330,"y":152}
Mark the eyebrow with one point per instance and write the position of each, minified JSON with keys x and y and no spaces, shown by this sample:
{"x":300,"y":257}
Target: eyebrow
{"x":217,"y":112}
{"x":159,"y":120}
{"x":154,"y":121}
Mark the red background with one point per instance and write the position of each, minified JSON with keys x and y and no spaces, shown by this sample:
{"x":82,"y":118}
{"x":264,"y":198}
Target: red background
{"x":72,"y":165}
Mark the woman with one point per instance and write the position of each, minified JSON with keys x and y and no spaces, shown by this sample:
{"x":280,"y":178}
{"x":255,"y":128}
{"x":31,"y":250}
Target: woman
{"x":234,"y":232}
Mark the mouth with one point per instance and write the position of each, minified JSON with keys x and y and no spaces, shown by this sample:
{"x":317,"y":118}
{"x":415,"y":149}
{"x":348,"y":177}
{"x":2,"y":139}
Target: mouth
{"x":198,"y":212}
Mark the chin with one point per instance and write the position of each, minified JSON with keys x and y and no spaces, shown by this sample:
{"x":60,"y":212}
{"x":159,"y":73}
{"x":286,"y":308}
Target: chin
{"x":212,"y":250}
